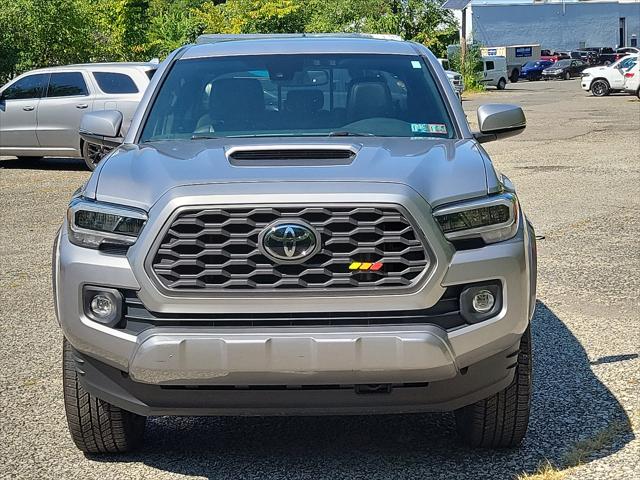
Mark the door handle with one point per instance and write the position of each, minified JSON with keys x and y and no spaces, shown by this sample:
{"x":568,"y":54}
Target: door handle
{"x":28,"y":108}
{"x":82,"y":105}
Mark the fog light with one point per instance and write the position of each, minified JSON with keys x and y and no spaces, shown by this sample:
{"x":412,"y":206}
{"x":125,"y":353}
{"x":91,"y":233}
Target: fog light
{"x":483,"y":301}
{"x":480,"y":301}
{"x":103,"y":304}
{"x":103,"y":308}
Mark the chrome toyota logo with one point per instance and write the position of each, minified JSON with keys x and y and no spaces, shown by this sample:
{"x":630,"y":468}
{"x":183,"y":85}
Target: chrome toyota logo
{"x":289,"y":242}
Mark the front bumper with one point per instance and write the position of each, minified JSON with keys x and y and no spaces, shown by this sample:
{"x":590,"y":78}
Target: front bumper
{"x":553,"y":75}
{"x":193,"y":355}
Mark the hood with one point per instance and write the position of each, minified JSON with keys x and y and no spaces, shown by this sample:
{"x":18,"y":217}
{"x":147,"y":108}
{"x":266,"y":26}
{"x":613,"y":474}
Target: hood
{"x":592,"y":70}
{"x":441,"y":171}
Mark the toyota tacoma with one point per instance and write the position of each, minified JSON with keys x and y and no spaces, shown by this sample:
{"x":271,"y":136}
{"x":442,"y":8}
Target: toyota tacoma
{"x":296,"y":225}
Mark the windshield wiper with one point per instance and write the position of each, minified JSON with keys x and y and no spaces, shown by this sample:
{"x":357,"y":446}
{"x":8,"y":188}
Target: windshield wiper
{"x":344,"y":133}
{"x":203,"y":136}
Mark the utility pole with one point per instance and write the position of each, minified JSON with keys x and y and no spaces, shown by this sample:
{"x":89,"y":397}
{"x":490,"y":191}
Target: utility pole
{"x":463,"y":38}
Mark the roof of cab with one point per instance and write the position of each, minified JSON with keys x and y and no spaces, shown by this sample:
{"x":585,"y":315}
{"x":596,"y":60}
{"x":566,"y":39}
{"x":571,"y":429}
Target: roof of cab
{"x":220,"y":45}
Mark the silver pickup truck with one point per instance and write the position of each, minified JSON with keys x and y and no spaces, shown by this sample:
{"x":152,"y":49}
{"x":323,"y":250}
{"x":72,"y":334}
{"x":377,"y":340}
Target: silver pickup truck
{"x":296,"y":225}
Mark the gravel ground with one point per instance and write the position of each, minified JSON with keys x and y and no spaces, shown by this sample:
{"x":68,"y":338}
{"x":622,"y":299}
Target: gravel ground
{"x":576,"y":168}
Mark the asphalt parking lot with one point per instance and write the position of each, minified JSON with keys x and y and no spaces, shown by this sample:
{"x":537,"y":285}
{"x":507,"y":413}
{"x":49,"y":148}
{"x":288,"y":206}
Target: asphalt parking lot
{"x":577,"y":171}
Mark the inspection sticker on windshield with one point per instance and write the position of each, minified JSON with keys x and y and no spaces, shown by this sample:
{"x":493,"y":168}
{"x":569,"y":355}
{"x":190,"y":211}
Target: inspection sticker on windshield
{"x":437,"y":128}
{"x":415,"y":64}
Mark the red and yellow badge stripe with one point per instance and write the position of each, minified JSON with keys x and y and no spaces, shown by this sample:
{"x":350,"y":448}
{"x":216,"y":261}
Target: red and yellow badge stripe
{"x":371,"y":267}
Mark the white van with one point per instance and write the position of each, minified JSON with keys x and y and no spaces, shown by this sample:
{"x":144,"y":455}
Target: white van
{"x":494,"y":71}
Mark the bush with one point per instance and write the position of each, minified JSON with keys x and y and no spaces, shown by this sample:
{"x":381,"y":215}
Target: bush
{"x":471,"y":70}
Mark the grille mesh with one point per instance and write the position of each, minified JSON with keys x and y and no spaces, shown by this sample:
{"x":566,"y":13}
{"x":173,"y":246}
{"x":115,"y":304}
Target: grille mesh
{"x":216,"y":249}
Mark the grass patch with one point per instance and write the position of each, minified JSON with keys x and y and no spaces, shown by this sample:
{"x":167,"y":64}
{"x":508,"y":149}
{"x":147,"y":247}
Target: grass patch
{"x":580,"y":452}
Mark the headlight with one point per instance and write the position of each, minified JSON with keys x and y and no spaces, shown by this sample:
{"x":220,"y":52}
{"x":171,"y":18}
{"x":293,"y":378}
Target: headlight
{"x":92,"y":224}
{"x":492,"y":219}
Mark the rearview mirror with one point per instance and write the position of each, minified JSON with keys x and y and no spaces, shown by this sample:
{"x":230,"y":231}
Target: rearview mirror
{"x":102,"y":128}
{"x":497,"y":121}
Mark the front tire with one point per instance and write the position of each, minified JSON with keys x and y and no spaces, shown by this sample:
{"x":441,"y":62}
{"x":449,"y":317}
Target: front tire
{"x":92,"y":154}
{"x":501,"y":420}
{"x":502,"y":83}
{"x":567,"y":76}
{"x":600,"y":88}
{"x":515,"y":75}
{"x":96,"y":426}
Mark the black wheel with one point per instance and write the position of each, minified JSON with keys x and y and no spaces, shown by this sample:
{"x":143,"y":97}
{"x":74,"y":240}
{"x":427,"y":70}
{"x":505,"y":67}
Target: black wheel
{"x":514,"y":76}
{"x":567,"y":76}
{"x":97,"y":426}
{"x":600,"y":88}
{"x":502,"y":83}
{"x":638,"y":93}
{"x":92,"y":154}
{"x":501,"y":421}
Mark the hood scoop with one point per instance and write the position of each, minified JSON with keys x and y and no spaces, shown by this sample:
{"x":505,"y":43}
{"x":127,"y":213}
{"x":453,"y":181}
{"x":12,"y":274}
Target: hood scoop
{"x":291,"y":155}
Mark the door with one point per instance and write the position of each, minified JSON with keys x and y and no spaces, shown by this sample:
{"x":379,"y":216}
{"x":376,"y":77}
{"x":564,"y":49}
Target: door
{"x":617,"y":72}
{"x":18,"y":114}
{"x":66,"y":99}
{"x":490,"y":73}
{"x":574,"y":68}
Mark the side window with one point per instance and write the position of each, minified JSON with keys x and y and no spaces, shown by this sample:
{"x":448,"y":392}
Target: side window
{"x":66,"y":84}
{"x":26,"y":88}
{"x":489,"y":66}
{"x":115,"y":82}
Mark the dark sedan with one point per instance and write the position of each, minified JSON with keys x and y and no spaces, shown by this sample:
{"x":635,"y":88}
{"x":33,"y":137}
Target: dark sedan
{"x":533,"y":70}
{"x":564,"y":69}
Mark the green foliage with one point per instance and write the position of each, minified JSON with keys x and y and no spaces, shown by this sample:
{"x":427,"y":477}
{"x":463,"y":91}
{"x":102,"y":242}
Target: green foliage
{"x":37,"y":33}
{"x":471,"y":70}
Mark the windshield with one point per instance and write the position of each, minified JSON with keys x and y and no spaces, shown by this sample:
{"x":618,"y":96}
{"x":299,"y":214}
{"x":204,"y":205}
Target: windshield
{"x":561,"y":63}
{"x":298,"y":95}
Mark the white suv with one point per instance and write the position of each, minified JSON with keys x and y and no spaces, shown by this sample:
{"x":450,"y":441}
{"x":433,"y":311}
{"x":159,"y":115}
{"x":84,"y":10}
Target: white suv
{"x":603,"y":80}
{"x":40,"y":111}
{"x":632,"y":80}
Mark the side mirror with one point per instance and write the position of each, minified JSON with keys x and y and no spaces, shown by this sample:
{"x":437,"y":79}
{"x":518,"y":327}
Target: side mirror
{"x":497,"y":121}
{"x":102,"y":128}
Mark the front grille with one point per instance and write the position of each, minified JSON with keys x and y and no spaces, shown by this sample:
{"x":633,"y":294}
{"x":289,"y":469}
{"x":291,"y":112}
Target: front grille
{"x":445,"y":314}
{"x":216,"y":249}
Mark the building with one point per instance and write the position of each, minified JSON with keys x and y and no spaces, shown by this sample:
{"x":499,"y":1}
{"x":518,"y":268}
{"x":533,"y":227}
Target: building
{"x":555,"y":24}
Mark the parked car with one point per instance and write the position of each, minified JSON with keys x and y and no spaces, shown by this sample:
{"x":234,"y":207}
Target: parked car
{"x":604,"y":55}
{"x":454,"y":77}
{"x":586,"y":56}
{"x":564,"y":69}
{"x":494,"y":71}
{"x":553,"y":56}
{"x":533,"y":70}
{"x":628,"y":50}
{"x":516,"y":56}
{"x":456,"y":82}
{"x":268,"y":241}
{"x":632,"y":80}
{"x":40,"y":110}
{"x":603,"y":80}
